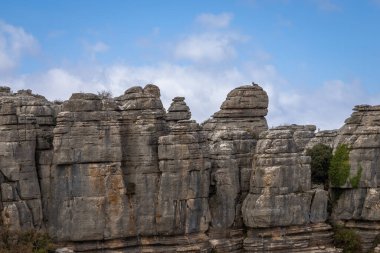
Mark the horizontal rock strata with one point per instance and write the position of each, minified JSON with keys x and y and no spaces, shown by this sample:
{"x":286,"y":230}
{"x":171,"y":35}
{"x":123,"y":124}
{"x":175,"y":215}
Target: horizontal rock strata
{"x":232,"y":135}
{"x":281,"y":211}
{"x":103,"y":174}
{"x":358,"y":206}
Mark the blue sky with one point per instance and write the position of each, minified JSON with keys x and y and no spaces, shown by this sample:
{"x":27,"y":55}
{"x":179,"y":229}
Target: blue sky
{"x":315,"y":58}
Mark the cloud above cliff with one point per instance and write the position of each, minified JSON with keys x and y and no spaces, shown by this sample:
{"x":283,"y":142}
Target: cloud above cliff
{"x":212,"y":47}
{"x":215,"y":41}
{"x":205,"y":90}
{"x":15,"y":43}
{"x":202,"y":64}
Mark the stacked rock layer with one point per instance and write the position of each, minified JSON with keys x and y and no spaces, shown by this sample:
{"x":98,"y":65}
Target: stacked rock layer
{"x":103,"y":174}
{"x":358,"y":206}
{"x":232,"y":136}
{"x":281,"y":211}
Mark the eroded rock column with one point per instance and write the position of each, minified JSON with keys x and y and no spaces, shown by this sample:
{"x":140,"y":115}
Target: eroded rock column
{"x":281,"y":211}
{"x":232,"y":135}
{"x":21,"y":134}
{"x":183,"y":209}
{"x":88,"y":200}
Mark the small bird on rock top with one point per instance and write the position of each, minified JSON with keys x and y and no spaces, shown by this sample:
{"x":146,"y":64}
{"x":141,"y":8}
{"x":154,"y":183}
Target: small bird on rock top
{"x":254,"y":84}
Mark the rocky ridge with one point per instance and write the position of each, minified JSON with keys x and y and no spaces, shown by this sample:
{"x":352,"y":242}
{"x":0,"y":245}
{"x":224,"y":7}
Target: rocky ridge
{"x":103,"y":174}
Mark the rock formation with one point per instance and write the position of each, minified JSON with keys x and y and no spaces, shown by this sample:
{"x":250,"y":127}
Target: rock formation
{"x":103,"y":174}
{"x":326,"y":137}
{"x":232,"y":136}
{"x":178,"y":110}
{"x":26,"y":123}
{"x":358,"y":206}
{"x":281,"y":210}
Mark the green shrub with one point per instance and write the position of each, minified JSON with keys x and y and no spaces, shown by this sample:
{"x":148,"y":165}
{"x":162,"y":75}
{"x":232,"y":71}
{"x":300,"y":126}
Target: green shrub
{"x":348,"y":240}
{"x":354,"y":181}
{"x":320,"y":162}
{"x":25,"y":242}
{"x":339,"y":166}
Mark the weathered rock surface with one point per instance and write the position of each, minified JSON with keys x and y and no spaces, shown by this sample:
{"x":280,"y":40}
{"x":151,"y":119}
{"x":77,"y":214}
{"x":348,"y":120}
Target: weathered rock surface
{"x":232,"y":136}
{"x":326,"y":137}
{"x":103,"y":174}
{"x":178,"y":110}
{"x":132,"y":183}
{"x":26,"y":122}
{"x":281,"y":210}
{"x":358,"y":206}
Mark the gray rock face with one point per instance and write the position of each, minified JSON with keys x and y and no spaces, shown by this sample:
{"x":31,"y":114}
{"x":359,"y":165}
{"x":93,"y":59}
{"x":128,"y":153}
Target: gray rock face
{"x":132,"y":182}
{"x":232,"y":135}
{"x":280,"y":196}
{"x":184,"y":183}
{"x":326,"y":137}
{"x":358,"y":207}
{"x":178,"y":110}
{"x":26,"y":122}
{"x":122,"y":175}
{"x":88,"y":200}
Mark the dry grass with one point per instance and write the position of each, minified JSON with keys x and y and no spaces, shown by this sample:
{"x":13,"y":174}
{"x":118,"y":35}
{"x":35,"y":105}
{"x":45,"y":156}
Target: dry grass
{"x":25,"y":242}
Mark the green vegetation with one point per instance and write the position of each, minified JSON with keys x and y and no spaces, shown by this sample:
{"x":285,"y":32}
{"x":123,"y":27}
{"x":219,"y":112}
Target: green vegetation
{"x":339,"y":170}
{"x":26,"y":242}
{"x":320,"y":162}
{"x":347,"y":239}
{"x":354,"y":181}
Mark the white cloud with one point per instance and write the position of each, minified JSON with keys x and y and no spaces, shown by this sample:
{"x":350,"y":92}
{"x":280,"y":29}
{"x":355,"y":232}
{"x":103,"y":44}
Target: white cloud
{"x":209,"y":20}
{"x":95,"y":48}
{"x":326,"y":106}
{"x":208,"y":47}
{"x":14,"y":44}
{"x":205,"y":87}
{"x":56,"y":83}
{"x":204,"y":90}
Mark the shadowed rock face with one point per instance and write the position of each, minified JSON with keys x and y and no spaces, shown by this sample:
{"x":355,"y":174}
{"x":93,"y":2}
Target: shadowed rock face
{"x":122,"y":174}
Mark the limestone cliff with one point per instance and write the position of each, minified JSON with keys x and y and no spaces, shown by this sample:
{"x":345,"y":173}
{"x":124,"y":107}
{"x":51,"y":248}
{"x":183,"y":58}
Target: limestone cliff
{"x":358,"y":206}
{"x":103,"y":174}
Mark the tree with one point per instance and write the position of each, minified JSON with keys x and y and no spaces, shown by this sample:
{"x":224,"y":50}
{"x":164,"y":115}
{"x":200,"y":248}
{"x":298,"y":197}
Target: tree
{"x":339,"y":170}
{"x":320,"y":162}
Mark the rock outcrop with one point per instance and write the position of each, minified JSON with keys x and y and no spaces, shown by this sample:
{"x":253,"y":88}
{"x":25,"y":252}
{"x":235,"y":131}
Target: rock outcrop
{"x":281,"y":211}
{"x":358,"y":206}
{"x":232,"y":136}
{"x":326,"y":137}
{"x":178,"y":110}
{"x":26,"y":123}
{"x":103,"y":174}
